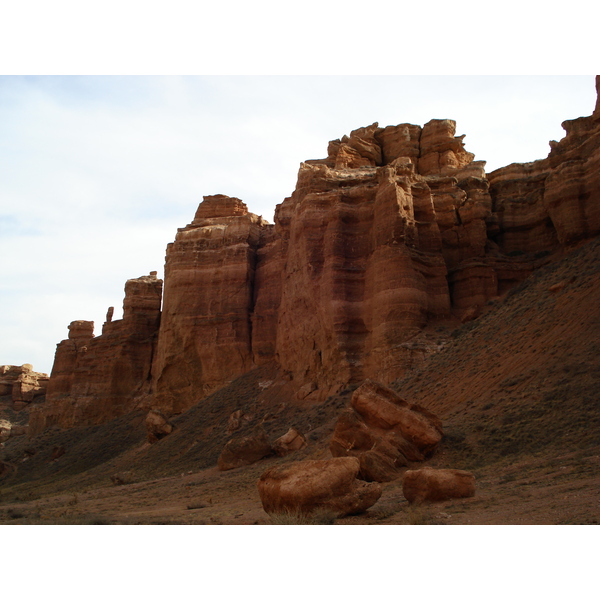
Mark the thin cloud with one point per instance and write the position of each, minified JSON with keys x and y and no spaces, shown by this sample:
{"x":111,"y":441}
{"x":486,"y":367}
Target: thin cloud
{"x":97,"y":173}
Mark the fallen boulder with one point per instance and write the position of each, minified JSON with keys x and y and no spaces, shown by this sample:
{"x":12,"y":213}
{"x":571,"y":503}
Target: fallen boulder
{"x":244,"y":450}
{"x":312,"y":486}
{"x":384,"y":432}
{"x":382,"y":408}
{"x":291,"y":441}
{"x":236,"y":420}
{"x":435,"y":485}
{"x":157,"y":426}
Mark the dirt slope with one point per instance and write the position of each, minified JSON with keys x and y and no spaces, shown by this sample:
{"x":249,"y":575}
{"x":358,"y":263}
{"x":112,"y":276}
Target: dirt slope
{"x":517,"y":390}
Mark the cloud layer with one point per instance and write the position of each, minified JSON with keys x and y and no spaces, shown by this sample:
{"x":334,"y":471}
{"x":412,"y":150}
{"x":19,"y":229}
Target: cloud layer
{"x":97,"y":173}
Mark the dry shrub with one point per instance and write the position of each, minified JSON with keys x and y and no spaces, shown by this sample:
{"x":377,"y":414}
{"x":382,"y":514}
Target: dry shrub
{"x":320,"y":517}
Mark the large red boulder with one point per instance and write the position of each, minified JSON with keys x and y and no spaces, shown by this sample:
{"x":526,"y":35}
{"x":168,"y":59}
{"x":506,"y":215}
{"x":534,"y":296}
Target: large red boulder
{"x":382,"y":408}
{"x":384,"y":432}
{"x":435,"y":485}
{"x":317,"y":485}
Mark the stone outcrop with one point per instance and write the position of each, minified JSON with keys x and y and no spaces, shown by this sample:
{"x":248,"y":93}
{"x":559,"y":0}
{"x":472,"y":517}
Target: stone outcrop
{"x":244,"y":450}
{"x":552,"y":201}
{"x":22,"y":384}
{"x":396,"y":228}
{"x":95,"y":379}
{"x":205,"y":337}
{"x":317,"y":485}
{"x":157,"y":426}
{"x":435,"y":485}
{"x":384,"y":432}
{"x":289,"y":442}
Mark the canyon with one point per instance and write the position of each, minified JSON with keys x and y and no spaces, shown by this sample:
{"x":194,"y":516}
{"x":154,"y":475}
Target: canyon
{"x":399,"y":227}
{"x":387,"y":254}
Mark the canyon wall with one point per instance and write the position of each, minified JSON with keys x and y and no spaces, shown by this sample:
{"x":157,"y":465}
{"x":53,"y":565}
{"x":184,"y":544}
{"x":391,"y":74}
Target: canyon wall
{"x":95,"y":379}
{"x":397,"y":228}
{"x":205,"y":338}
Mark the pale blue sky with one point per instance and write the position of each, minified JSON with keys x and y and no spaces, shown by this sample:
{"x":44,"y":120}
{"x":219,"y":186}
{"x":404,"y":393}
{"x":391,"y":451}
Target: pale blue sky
{"x":97,"y":173}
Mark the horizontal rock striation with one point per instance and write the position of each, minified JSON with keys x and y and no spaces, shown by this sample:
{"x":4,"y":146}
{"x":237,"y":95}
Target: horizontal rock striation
{"x":396,"y":228}
{"x":205,"y":337}
{"x":95,"y":379}
{"x":22,"y":384}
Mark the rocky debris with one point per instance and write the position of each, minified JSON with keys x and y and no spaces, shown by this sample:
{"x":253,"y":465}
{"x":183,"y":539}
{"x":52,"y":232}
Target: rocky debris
{"x":384,"y":432}
{"x":238,"y":419}
{"x":157,"y":426}
{"x":289,"y":442}
{"x":435,"y":485}
{"x":95,"y":379}
{"x":244,"y":450}
{"x":317,"y":486}
{"x":5,"y":430}
{"x":22,"y":384}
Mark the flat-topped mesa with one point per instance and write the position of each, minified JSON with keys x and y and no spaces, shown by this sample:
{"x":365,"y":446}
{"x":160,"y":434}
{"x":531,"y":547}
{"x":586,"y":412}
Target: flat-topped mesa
{"x":205,"y":337}
{"x":95,"y":379}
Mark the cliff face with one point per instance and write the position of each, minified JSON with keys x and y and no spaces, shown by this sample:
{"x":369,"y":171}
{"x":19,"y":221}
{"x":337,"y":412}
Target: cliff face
{"x":21,"y":384}
{"x":95,"y":379}
{"x":205,"y":337}
{"x":396,"y":228}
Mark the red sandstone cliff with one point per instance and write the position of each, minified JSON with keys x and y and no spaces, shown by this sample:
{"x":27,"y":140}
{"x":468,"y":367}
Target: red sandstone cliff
{"x":397,"y":227}
{"x":205,"y":337}
{"x":95,"y":379}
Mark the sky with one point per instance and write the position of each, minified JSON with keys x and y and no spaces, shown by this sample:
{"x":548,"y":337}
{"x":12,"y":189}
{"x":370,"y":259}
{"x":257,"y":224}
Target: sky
{"x":98,"y":172}
{"x":115,"y":120}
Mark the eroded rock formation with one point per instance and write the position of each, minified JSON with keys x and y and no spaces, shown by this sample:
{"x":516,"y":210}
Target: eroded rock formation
{"x":244,"y":450}
{"x":384,"y":432}
{"x":95,"y":379}
{"x":205,"y":336}
{"x":435,"y":485}
{"x":309,"y":486}
{"x":22,"y":384}
{"x":396,"y":228}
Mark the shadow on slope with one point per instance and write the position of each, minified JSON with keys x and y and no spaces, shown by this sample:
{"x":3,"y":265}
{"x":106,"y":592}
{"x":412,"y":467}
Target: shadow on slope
{"x":523,"y":379}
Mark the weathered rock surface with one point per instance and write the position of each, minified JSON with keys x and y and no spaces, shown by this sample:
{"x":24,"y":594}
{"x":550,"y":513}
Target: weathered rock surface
{"x":384,"y":432}
{"x":157,"y":426}
{"x":398,"y":227}
{"x":205,"y":334}
{"x":435,"y":485}
{"x":22,"y":383}
{"x":244,"y":450}
{"x":95,"y":379}
{"x":289,"y":442}
{"x":317,"y":485}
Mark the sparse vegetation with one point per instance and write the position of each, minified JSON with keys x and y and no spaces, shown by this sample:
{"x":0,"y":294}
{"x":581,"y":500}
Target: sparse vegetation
{"x":322,"y":517}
